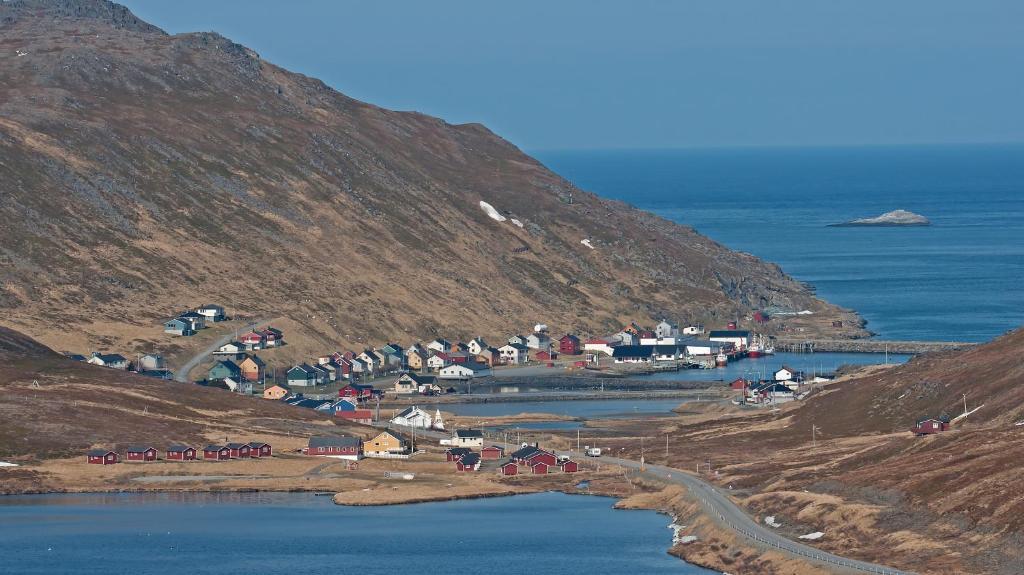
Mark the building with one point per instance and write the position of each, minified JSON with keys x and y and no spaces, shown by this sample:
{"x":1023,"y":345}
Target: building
{"x":212,"y":312}
{"x":545,"y":356}
{"x":415,"y":358}
{"x":260,"y":449}
{"x":509,"y":468}
{"x":252,"y":341}
{"x":541,"y":456}
{"x":111,"y":360}
{"x":601,"y":345}
{"x":467,"y":438}
{"x":492,"y":452}
{"x":696,"y":346}
{"x":151,"y":362}
{"x":340,"y":447}
{"x":539,"y":468}
{"x":410,"y":382}
{"x":302,"y":375}
{"x":179,"y":326}
{"x":197,"y":319}
{"x":740,"y":339}
{"x":438,"y":360}
{"x":252,"y":368}
{"x":930,"y":425}
{"x":666,"y":329}
{"x":272,"y":337}
{"x":489,"y":357}
{"x":539,"y":341}
{"x":140,"y":453}
{"x":517,"y":340}
{"x":477,"y":345}
{"x":464,"y":371}
{"x":441,"y":345}
{"x":224,"y":369}
{"x":633,"y":353}
{"x":786,"y":373}
{"x":569,"y":345}
{"x":231,"y":349}
{"x":693,"y":330}
{"x":386,"y":444}
{"x":180,"y":453}
{"x":456,"y":453}
{"x":363,"y":416}
{"x":413,"y":417}
{"x":216,"y":453}
{"x":102,"y":457}
{"x":570,"y":466}
{"x":238,"y":450}
{"x":468,"y":462}
{"x":514,"y":353}
{"x":356,"y":391}
{"x":275,"y":392}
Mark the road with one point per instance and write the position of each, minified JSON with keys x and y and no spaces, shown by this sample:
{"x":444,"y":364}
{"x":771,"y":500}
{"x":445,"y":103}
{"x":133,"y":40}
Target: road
{"x":726,"y":513}
{"x":181,"y":374}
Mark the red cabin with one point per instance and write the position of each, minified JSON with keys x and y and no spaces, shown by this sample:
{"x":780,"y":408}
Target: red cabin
{"x":930,"y":426}
{"x":456,"y":453}
{"x":216,"y":453}
{"x":570,"y":467}
{"x":732,"y":325}
{"x":180,"y":453}
{"x":468,"y":462}
{"x":252,"y":340}
{"x":509,"y":468}
{"x":760,"y":317}
{"x":545,"y":355}
{"x":140,"y":453}
{"x":738,"y":384}
{"x":539,"y":468}
{"x":569,"y":345}
{"x":492,"y":452}
{"x":238,"y":450}
{"x":260,"y":449}
{"x":364,"y":416}
{"x":103,"y":457}
{"x":542,"y":457}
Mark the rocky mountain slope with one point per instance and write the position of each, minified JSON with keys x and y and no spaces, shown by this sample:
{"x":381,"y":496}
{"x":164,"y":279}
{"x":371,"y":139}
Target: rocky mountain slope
{"x":143,"y":172}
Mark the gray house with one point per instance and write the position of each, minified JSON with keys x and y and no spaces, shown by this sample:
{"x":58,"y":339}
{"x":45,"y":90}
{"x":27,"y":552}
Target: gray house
{"x":666,"y":329}
{"x":302,"y":375}
{"x":224,"y":369}
{"x":178,"y":326}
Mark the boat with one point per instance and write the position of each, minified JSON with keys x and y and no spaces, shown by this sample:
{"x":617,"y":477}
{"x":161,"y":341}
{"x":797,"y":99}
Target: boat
{"x":721,"y":360}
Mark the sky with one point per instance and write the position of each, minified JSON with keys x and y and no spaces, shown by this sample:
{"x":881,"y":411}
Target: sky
{"x":593,"y":74}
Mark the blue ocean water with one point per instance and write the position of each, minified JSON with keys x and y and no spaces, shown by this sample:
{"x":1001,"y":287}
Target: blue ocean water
{"x":168,"y":534}
{"x":960,"y":279}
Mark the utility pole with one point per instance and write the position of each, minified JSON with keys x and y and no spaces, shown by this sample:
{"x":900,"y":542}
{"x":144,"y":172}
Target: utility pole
{"x":577,"y":439}
{"x":666,"y":449}
{"x":965,"y":403}
{"x":814,"y":430}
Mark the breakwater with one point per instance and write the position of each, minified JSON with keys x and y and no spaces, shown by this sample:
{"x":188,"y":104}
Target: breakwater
{"x":793,"y":345}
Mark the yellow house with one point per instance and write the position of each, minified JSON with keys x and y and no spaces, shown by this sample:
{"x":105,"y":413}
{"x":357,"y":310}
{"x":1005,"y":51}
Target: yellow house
{"x":275,"y":392}
{"x":415,"y":359}
{"x":385,"y":444}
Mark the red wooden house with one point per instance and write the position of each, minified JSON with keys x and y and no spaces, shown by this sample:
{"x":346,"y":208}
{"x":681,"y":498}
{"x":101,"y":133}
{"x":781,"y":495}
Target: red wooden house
{"x":252,"y":340}
{"x":238,"y":450}
{"x":542,"y":457}
{"x":930,"y":426}
{"x":364,"y":416}
{"x":260,"y":449}
{"x":545,"y":355}
{"x":468,"y":462}
{"x":738,"y":384}
{"x":570,"y":467}
{"x":272,"y":337}
{"x":357,"y":391}
{"x":341,"y":447}
{"x":509,"y":468}
{"x":216,"y":453}
{"x":569,"y":345}
{"x":140,"y":453}
{"x":456,"y":453}
{"x":102,"y":457}
{"x":539,"y":468}
{"x":181,"y":453}
{"x":492,"y":452}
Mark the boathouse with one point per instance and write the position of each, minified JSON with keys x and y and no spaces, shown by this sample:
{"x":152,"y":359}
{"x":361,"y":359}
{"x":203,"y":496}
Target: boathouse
{"x":181,"y":453}
{"x":140,"y":453}
{"x":216,"y":453}
{"x":539,"y":468}
{"x":509,"y":468}
{"x":102,"y":457}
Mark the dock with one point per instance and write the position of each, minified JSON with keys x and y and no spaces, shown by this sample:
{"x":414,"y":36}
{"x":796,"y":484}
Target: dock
{"x":866,"y":346}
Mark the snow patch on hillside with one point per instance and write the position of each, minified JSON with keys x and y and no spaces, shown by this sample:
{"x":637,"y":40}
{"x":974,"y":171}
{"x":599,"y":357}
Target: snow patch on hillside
{"x":517,"y":222}
{"x":812,"y":536}
{"x":587,"y":243}
{"x":493,"y":213}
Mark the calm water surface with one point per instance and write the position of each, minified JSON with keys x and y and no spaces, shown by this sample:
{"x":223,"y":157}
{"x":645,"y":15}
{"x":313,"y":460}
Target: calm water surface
{"x":298,"y":533}
{"x":959,"y":279}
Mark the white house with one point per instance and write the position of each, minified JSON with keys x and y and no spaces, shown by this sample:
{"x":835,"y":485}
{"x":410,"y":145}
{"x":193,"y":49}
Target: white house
{"x":538,"y":341}
{"x":666,"y":329}
{"x":152,"y":362}
{"x":784,"y":374}
{"x":467,"y":438}
{"x":477,"y":345}
{"x":230,"y":348}
{"x":111,"y":360}
{"x":413,"y":417}
{"x":517,"y":340}
{"x":693,"y":330}
{"x":667,"y":353}
{"x":244,"y":387}
{"x":600,"y":345}
{"x":212,"y":312}
{"x":514,"y":353}
{"x":740,"y":339}
{"x":467,"y":370}
{"x":702,"y":347}
{"x":197,"y":319}
{"x":437,"y":361}
{"x":626,"y":338}
{"x":373,"y":360}
{"x":441,"y":345}
{"x":668,"y":340}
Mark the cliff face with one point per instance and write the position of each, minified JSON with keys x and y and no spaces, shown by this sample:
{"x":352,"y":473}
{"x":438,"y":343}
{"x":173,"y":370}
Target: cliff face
{"x":143,"y":172}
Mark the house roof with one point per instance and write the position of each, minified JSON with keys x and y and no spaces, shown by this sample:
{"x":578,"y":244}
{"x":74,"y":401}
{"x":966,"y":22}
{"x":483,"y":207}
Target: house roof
{"x":569,"y":337}
{"x":178,"y":448}
{"x":469,"y":433}
{"x":76,"y":356}
{"x":340,"y":441}
{"x":498,"y":447}
{"x":100,"y":452}
{"x":226,"y":363}
{"x":729,"y":333}
{"x":517,"y":346}
{"x":139,"y":448}
{"x":237,"y":445}
{"x":214,"y":447}
{"x":419,"y":379}
{"x":110,"y":357}
{"x":470,"y":459}
{"x":191,"y":315}
{"x":411,"y":411}
{"x":470,"y":365}
{"x":391,"y":433}
{"x":212,"y":306}
{"x":258,"y":444}
{"x":633,"y":351}
{"x":524,"y":452}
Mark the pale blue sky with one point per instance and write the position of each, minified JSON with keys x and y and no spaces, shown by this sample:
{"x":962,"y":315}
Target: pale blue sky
{"x":644,"y":73}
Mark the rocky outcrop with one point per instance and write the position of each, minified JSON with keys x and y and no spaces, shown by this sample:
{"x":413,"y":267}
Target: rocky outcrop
{"x":893,"y":218}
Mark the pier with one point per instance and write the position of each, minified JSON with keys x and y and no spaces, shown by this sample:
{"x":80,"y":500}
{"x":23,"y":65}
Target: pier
{"x":866,"y":346}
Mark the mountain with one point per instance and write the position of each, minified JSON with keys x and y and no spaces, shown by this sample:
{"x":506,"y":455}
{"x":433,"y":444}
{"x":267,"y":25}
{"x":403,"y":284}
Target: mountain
{"x":143,"y":173}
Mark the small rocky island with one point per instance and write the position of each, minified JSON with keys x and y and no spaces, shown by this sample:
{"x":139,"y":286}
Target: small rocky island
{"x":893,"y":218}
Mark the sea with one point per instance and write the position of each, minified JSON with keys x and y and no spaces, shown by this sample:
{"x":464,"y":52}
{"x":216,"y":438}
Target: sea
{"x":960,"y":279}
{"x":229,"y":534}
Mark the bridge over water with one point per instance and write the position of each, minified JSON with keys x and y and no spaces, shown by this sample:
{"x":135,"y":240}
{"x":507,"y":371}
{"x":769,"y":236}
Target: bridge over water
{"x":796,"y":345}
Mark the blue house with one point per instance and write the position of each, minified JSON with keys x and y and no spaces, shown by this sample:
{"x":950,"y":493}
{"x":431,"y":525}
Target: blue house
{"x":344,"y":405}
{"x":224,"y":369}
{"x":302,"y":375}
{"x":178,"y":326}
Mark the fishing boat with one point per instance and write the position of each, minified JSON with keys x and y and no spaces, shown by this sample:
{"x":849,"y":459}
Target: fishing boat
{"x":721,"y":360}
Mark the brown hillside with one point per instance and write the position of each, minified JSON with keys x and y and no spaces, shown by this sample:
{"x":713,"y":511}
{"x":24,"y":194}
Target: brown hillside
{"x":144,"y":172}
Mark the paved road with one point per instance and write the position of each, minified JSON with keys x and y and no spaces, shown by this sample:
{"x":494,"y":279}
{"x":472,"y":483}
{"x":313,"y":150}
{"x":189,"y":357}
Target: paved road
{"x":727,"y":513}
{"x":181,"y":374}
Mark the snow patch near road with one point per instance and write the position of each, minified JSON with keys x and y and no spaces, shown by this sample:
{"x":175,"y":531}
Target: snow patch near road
{"x":812,"y":536}
{"x":770,"y":521}
{"x":6,"y":464}
{"x":587,"y":243}
{"x":493,"y":213}
{"x":517,"y":222}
